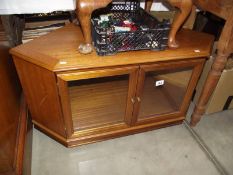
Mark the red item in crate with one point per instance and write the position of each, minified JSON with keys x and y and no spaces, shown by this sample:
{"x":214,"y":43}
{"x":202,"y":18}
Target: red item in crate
{"x":130,"y":24}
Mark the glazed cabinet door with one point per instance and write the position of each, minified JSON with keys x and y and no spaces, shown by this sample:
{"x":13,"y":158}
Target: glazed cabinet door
{"x":97,"y":99}
{"x":164,"y":90}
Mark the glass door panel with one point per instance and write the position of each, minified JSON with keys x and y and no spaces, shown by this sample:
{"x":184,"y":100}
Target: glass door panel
{"x":98,"y":101}
{"x":163,"y":91}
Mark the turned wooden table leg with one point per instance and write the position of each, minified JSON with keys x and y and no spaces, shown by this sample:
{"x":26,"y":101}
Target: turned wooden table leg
{"x":225,"y":48}
{"x":148,"y":5}
{"x":210,"y":84}
{"x":84,"y":11}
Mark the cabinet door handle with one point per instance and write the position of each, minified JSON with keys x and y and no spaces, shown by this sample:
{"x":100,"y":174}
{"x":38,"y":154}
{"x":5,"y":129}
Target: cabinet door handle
{"x":132,"y":100}
{"x":139,"y":99}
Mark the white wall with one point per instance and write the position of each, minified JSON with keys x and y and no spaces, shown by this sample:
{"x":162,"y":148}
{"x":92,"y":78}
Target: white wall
{"x":34,"y":6}
{"x":45,"y":6}
{"x":156,"y":6}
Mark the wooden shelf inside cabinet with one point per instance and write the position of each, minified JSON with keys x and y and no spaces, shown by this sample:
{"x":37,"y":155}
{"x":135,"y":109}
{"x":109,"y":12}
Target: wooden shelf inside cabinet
{"x":79,"y":99}
{"x":96,"y":102}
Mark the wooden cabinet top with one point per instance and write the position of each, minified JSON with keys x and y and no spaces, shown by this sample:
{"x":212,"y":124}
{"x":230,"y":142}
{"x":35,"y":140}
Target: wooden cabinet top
{"x":57,"y":51}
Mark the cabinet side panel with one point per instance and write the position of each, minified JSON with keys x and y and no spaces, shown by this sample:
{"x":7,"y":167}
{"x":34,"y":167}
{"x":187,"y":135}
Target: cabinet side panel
{"x":40,"y":89}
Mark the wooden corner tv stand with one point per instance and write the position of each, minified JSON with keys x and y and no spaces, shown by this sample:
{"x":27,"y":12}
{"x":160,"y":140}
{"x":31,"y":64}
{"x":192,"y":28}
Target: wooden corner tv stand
{"x":79,"y":99}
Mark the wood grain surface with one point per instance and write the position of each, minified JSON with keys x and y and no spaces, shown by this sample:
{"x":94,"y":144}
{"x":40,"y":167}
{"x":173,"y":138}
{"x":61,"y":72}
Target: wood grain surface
{"x":40,"y":89}
{"x":58,"y":53}
{"x":99,"y":103}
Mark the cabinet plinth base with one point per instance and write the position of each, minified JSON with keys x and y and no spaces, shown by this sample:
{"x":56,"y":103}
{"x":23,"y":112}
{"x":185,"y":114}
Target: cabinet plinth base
{"x":78,"y":141}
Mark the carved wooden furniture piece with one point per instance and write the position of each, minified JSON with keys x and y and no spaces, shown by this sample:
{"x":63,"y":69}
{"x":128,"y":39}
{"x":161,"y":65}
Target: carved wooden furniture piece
{"x":223,"y":9}
{"x":84,"y":11}
{"x":86,"y":7}
{"x":185,"y":7}
{"x":79,"y":99}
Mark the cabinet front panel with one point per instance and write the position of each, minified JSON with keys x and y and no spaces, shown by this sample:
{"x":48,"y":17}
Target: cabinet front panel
{"x":98,"y":101}
{"x":163,"y":92}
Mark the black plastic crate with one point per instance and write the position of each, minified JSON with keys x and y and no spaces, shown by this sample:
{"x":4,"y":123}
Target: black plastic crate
{"x":151,"y":33}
